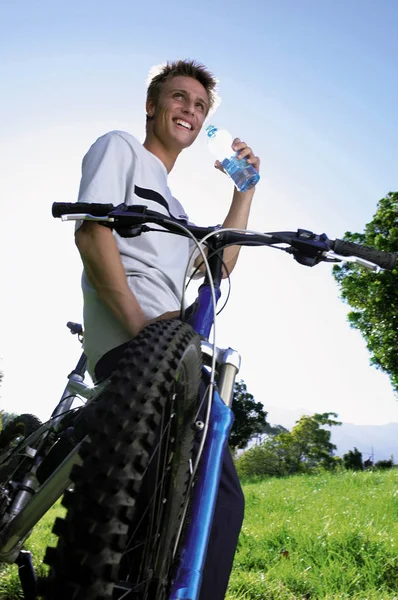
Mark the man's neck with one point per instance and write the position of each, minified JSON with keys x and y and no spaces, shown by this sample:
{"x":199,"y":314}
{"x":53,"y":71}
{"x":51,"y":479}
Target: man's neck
{"x":167,"y":156}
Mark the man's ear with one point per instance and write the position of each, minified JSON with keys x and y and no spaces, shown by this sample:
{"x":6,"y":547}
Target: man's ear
{"x":150,"y":108}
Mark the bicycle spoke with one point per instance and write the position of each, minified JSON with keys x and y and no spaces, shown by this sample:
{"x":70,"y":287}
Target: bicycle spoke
{"x":145,"y":512}
{"x":166,"y":461}
{"x":163,"y":453}
{"x":152,"y":518}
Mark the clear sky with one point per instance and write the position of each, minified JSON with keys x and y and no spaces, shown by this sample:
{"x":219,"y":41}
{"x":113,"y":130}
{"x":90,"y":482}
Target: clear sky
{"x":311,"y":86}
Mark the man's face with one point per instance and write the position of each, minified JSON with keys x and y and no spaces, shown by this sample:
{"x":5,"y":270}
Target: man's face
{"x":179,"y":113}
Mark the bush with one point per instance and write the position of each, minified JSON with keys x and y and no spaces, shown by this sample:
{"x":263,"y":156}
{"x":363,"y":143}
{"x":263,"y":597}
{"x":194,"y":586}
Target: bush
{"x":384,"y":464}
{"x":353,"y":460}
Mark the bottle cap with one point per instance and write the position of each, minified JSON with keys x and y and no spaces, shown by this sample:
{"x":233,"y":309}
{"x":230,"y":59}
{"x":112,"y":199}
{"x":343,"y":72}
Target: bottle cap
{"x":211,"y":131}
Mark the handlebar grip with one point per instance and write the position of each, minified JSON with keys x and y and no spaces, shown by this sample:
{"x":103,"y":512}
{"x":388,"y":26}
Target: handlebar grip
{"x":386,"y":260}
{"x":71,"y":208}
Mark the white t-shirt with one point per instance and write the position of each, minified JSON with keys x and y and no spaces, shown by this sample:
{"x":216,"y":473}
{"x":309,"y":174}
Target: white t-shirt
{"x":116,"y":169}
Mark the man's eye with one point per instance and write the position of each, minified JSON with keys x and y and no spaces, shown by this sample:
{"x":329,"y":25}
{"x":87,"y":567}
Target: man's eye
{"x":201,"y":106}
{"x":178,"y":94}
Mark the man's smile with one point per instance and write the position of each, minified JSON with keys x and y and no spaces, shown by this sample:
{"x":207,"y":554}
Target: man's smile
{"x":183,"y":124}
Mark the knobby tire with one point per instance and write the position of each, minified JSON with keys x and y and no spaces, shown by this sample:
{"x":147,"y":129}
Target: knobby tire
{"x":126,"y":503}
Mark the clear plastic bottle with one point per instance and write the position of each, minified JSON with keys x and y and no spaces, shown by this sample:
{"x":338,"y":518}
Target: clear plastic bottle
{"x":242,"y":174}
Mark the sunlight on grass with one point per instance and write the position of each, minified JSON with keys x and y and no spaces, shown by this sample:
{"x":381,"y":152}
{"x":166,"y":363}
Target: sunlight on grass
{"x":320,"y":536}
{"x":40,"y":538}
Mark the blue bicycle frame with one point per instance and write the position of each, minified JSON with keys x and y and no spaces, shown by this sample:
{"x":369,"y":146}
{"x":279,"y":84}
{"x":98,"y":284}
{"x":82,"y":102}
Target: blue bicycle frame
{"x":187,"y":582}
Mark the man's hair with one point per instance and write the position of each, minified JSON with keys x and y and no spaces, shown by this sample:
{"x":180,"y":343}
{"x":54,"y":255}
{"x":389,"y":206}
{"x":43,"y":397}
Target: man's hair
{"x":185,"y":68}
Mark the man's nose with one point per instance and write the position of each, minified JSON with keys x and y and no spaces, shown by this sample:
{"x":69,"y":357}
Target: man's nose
{"x":189,"y":107}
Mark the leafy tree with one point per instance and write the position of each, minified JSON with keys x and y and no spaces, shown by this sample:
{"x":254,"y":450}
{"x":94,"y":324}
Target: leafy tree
{"x":385,"y":464}
{"x":353,"y":460}
{"x":309,"y":443}
{"x":306,"y":447}
{"x":273,"y":430}
{"x":374,"y":297}
{"x":6,"y":417}
{"x":250,"y":417}
{"x":269,"y":431}
{"x":266,"y":459}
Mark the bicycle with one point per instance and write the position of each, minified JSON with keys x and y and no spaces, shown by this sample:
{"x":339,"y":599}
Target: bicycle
{"x":163,"y":416}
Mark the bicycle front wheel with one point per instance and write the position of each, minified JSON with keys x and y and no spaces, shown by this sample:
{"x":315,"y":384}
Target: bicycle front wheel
{"x":125,"y":509}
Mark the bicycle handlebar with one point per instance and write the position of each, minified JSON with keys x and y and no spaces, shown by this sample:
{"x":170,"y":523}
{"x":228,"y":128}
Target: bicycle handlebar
{"x":68,"y":208}
{"x":386,"y":260}
{"x":307,"y":248}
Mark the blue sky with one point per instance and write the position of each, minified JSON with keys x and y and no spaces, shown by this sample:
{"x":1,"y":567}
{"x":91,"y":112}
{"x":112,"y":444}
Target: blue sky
{"x":310,"y":85}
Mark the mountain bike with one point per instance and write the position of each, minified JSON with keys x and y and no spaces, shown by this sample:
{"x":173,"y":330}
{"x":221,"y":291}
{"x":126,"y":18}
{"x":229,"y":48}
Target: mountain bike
{"x":139,"y":463}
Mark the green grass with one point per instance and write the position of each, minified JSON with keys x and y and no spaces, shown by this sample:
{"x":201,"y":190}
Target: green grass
{"x":320,"y":537}
{"x":40,"y":538}
{"x":338,"y":533}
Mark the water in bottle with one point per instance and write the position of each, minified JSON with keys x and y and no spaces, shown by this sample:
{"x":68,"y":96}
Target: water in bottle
{"x":243,"y":175}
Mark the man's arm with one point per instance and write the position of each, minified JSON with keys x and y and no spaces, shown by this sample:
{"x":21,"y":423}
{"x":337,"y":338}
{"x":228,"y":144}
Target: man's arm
{"x":106,"y":169}
{"x":238,"y":214}
{"x":237,"y":217}
{"x":104,"y":269}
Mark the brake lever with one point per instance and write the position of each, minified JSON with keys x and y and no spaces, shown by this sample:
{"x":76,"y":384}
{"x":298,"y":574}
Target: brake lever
{"x":366,"y":264}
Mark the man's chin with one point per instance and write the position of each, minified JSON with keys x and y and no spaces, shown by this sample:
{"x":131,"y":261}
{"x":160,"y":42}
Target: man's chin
{"x":186,"y":141}
{"x":181,"y":145}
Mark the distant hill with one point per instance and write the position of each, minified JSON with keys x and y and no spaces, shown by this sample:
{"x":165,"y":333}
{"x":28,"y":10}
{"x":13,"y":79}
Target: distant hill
{"x":382,"y":440}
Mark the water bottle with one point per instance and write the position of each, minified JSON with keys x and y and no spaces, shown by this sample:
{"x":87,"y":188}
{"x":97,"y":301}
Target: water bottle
{"x":242,"y":174}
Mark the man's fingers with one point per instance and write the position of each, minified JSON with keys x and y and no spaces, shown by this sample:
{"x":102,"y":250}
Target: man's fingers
{"x":255,"y":161}
{"x":219,"y":166}
{"x":243,"y":151}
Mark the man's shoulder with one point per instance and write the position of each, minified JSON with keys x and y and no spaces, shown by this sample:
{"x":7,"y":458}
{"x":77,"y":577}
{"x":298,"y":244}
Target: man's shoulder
{"x":114,"y":145}
{"x":116,"y":136}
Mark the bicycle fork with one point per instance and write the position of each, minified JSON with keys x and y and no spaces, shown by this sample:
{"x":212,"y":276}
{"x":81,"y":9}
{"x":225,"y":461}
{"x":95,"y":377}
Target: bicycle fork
{"x":186,"y":585}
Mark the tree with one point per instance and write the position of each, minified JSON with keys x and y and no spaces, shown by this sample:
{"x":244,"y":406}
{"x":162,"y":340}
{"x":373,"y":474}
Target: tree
{"x":385,"y":464}
{"x":266,"y":459}
{"x":7,"y":417}
{"x":250,"y":417}
{"x":308,"y":444}
{"x":353,"y":460}
{"x":306,"y":447}
{"x":374,"y":297}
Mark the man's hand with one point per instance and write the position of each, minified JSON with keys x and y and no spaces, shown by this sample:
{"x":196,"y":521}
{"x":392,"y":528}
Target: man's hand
{"x":244,"y":152}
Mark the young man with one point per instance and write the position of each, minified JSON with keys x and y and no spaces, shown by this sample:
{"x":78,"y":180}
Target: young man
{"x":128,"y":283}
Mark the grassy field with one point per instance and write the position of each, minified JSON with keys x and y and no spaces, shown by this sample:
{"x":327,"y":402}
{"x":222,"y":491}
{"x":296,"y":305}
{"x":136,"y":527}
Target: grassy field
{"x":306,"y":537}
{"x":325,"y":536}
{"x":41,"y":537}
